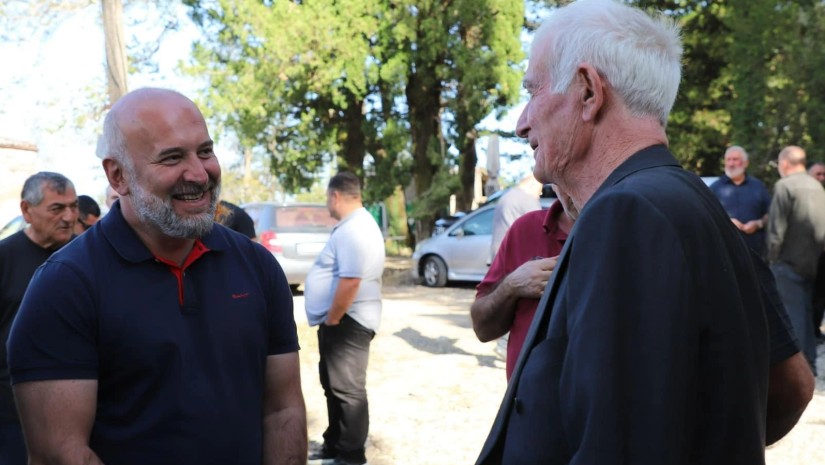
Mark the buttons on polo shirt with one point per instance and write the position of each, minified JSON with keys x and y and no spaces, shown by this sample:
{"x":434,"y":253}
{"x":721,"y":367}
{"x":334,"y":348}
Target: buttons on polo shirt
{"x":190,"y":304}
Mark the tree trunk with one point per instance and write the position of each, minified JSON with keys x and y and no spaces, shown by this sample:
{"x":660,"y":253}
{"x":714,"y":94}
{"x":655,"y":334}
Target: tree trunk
{"x":354,"y":142}
{"x":423,"y":98}
{"x":467,"y":169}
{"x":246,"y":192}
{"x":116,"y":61}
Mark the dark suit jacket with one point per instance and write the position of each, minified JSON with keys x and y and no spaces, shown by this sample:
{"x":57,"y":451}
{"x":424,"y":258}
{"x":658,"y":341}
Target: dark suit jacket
{"x":650,"y":345}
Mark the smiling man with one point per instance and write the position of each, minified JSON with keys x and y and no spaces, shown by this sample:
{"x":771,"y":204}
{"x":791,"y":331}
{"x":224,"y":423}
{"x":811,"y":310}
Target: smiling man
{"x":49,"y":206}
{"x":159,"y":336}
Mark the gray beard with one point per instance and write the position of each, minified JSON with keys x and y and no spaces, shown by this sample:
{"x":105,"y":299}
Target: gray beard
{"x":158,"y":212}
{"x":735,"y":174}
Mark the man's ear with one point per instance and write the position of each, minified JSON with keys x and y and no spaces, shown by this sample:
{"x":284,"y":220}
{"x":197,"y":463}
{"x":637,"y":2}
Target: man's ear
{"x":592,"y":91}
{"x":24,"y":209}
{"x":114,"y":173}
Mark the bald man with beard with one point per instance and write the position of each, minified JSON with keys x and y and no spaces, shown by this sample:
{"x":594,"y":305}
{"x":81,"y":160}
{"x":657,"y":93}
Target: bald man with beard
{"x":158,"y":336}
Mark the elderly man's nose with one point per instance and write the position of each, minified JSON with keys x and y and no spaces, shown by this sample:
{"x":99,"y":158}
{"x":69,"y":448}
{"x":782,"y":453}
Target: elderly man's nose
{"x":522,"y":128}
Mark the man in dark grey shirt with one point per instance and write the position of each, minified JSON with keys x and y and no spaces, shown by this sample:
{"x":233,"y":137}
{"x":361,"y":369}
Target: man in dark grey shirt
{"x":796,"y":236}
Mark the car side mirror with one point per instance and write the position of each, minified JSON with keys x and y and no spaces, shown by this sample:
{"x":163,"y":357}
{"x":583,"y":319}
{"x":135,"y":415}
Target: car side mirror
{"x":459,"y":232}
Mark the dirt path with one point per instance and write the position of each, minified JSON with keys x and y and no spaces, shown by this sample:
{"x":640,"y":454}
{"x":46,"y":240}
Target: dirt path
{"x":434,"y":389}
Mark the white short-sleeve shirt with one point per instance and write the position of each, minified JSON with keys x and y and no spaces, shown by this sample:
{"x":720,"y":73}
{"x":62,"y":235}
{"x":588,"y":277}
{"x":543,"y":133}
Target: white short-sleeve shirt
{"x":355,"y":250}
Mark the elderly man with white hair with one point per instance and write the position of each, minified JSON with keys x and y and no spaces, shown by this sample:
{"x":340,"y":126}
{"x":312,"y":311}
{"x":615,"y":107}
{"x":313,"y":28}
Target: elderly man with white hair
{"x":650,"y":343}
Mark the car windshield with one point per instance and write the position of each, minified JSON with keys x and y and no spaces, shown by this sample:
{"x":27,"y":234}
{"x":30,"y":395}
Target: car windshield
{"x":303,"y":218}
{"x":479,"y":224}
{"x":12,"y":227}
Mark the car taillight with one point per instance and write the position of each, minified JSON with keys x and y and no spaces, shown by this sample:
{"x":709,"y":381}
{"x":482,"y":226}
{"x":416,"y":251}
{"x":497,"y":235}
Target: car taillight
{"x":270,"y":240}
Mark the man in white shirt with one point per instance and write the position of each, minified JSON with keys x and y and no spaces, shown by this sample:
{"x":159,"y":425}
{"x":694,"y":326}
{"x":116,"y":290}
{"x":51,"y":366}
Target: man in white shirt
{"x":343,"y":297}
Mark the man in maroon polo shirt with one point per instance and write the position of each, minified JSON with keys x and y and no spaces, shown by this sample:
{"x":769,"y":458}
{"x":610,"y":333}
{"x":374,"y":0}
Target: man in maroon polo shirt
{"x":507,"y":298}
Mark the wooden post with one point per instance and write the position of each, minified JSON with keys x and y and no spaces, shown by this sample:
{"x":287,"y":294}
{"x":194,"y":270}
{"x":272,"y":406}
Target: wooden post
{"x":115,"y":48}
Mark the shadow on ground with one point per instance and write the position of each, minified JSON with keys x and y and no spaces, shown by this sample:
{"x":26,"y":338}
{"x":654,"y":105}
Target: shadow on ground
{"x":441,"y":346}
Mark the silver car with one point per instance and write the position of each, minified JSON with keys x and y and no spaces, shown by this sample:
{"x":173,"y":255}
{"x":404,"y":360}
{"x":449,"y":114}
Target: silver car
{"x":459,"y":253}
{"x":294,"y":233}
{"x":16,"y":224}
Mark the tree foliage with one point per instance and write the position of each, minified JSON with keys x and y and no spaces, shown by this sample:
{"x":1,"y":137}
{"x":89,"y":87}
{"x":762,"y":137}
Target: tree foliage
{"x":392,"y":90}
{"x":398,"y":87}
{"x":35,"y":21}
{"x":752,"y":76}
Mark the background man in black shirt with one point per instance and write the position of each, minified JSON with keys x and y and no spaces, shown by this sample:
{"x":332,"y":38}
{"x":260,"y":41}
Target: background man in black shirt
{"x":49,"y":204}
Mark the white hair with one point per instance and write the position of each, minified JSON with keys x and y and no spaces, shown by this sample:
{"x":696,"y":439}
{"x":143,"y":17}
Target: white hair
{"x":736,"y":148}
{"x":638,"y":54}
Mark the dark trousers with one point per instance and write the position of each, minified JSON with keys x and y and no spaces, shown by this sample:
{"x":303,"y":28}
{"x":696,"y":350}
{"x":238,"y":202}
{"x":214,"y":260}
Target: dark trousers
{"x":819,"y":294}
{"x":345,"y":352}
{"x":797,"y":295}
{"x":12,"y":447}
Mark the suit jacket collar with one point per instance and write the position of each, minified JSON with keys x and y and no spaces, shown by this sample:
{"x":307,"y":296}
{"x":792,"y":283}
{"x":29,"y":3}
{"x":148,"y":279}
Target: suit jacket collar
{"x":651,"y":157}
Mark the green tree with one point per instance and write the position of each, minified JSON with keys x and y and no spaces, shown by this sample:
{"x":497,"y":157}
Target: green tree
{"x":698,"y":128}
{"x":486,"y":76}
{"x":333,"y":81}
{"x":751,"y":77}
{"x":36,"y":20}
{"x":775,"y":73}
{"x":812,"y":64}
{"x":289,"y":78}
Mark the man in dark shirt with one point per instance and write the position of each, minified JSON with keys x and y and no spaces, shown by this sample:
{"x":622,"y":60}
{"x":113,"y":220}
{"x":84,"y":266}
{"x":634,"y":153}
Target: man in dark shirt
{"x":157,"y":337}
{"x":236,"y":219}
{"x":49,"y":205}
{"x":88,"y":213}
{"x":817,"y":171}
{"x":745,"y":199}
{"x":796,"y":236}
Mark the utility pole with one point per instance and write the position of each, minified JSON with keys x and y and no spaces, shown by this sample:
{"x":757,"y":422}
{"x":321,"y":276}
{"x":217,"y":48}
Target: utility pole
{"x":115,"y":49}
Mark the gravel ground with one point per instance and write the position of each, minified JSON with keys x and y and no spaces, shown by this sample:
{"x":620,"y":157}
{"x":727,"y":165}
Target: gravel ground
{"x":434,"y":389}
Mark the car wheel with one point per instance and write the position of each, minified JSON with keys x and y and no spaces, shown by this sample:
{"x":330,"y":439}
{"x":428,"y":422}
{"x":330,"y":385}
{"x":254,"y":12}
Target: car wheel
{"x":435,"y":272}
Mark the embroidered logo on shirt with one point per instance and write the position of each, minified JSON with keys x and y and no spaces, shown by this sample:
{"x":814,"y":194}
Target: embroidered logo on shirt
{"x":240,"y":296}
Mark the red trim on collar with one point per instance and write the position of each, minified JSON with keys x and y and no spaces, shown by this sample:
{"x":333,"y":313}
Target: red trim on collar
{"x":197,"y":252}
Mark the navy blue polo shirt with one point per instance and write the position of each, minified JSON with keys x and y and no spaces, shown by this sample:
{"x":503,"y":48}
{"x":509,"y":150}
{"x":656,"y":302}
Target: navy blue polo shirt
{"x":745,"y":202}
{"x":179,"y":356}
